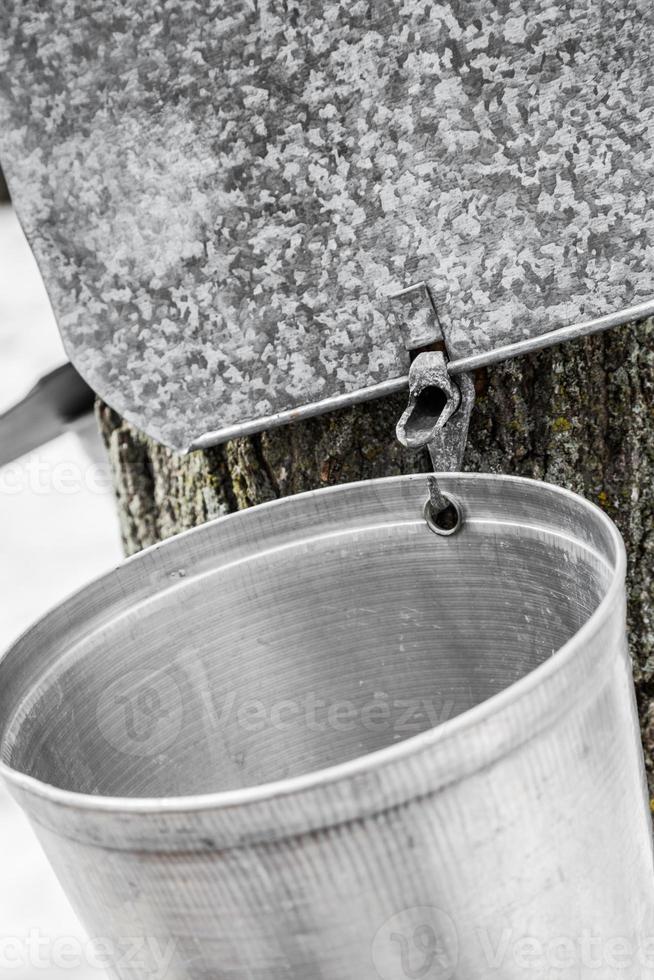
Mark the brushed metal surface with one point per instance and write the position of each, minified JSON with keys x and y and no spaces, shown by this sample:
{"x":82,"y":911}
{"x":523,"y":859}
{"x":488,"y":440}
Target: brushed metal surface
{"x":222,"y":195}
{"x":315,"y":740}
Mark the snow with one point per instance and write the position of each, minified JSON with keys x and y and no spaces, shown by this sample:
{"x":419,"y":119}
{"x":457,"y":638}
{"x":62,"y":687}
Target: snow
{"x":58,"y":529}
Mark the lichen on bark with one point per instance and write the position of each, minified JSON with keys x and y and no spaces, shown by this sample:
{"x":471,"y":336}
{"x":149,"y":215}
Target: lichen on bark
{"x":580,"y":415}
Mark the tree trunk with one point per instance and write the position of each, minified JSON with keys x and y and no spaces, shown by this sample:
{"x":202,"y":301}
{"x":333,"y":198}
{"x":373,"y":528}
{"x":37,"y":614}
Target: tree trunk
{"x":580,"y":415}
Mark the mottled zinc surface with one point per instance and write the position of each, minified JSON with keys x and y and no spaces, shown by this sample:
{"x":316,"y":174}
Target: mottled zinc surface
{"x":221,"y":194}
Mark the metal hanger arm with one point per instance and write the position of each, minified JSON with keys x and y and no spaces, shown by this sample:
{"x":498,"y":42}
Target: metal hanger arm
{"x":585,"y":329}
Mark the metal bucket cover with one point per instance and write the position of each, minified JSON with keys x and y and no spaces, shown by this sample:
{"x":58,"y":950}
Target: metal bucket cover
{"x":221,"y":196}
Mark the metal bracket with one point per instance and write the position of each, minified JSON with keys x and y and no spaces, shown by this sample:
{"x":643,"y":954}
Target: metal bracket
{"x":419,"y":325}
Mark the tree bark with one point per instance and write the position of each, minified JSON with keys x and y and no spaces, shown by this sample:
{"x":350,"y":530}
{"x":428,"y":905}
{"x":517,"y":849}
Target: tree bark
{"x":580,"y":415}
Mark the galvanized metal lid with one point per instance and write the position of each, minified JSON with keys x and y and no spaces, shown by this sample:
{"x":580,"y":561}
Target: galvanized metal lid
{"x":222,"y":196}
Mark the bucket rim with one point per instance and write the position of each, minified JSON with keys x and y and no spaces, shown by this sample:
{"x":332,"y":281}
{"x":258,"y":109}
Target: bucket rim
{"x":367,"y":763}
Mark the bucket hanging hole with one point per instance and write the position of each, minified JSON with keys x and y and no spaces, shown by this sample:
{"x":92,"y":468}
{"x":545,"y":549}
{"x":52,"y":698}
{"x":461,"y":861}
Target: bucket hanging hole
{"x":445,"y":521}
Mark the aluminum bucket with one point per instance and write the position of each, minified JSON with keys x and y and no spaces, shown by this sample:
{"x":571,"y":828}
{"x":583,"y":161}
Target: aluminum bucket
{"x":316,"y":741}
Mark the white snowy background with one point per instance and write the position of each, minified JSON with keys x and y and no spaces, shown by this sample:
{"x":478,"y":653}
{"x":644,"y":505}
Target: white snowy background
{"x":58,"y":529}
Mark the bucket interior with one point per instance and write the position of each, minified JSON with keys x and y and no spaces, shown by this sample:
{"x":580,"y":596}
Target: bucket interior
{"x":230,"y":673}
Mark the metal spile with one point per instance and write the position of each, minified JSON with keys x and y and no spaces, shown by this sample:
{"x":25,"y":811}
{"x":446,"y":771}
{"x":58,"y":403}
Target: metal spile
{"x":442,"y":391}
